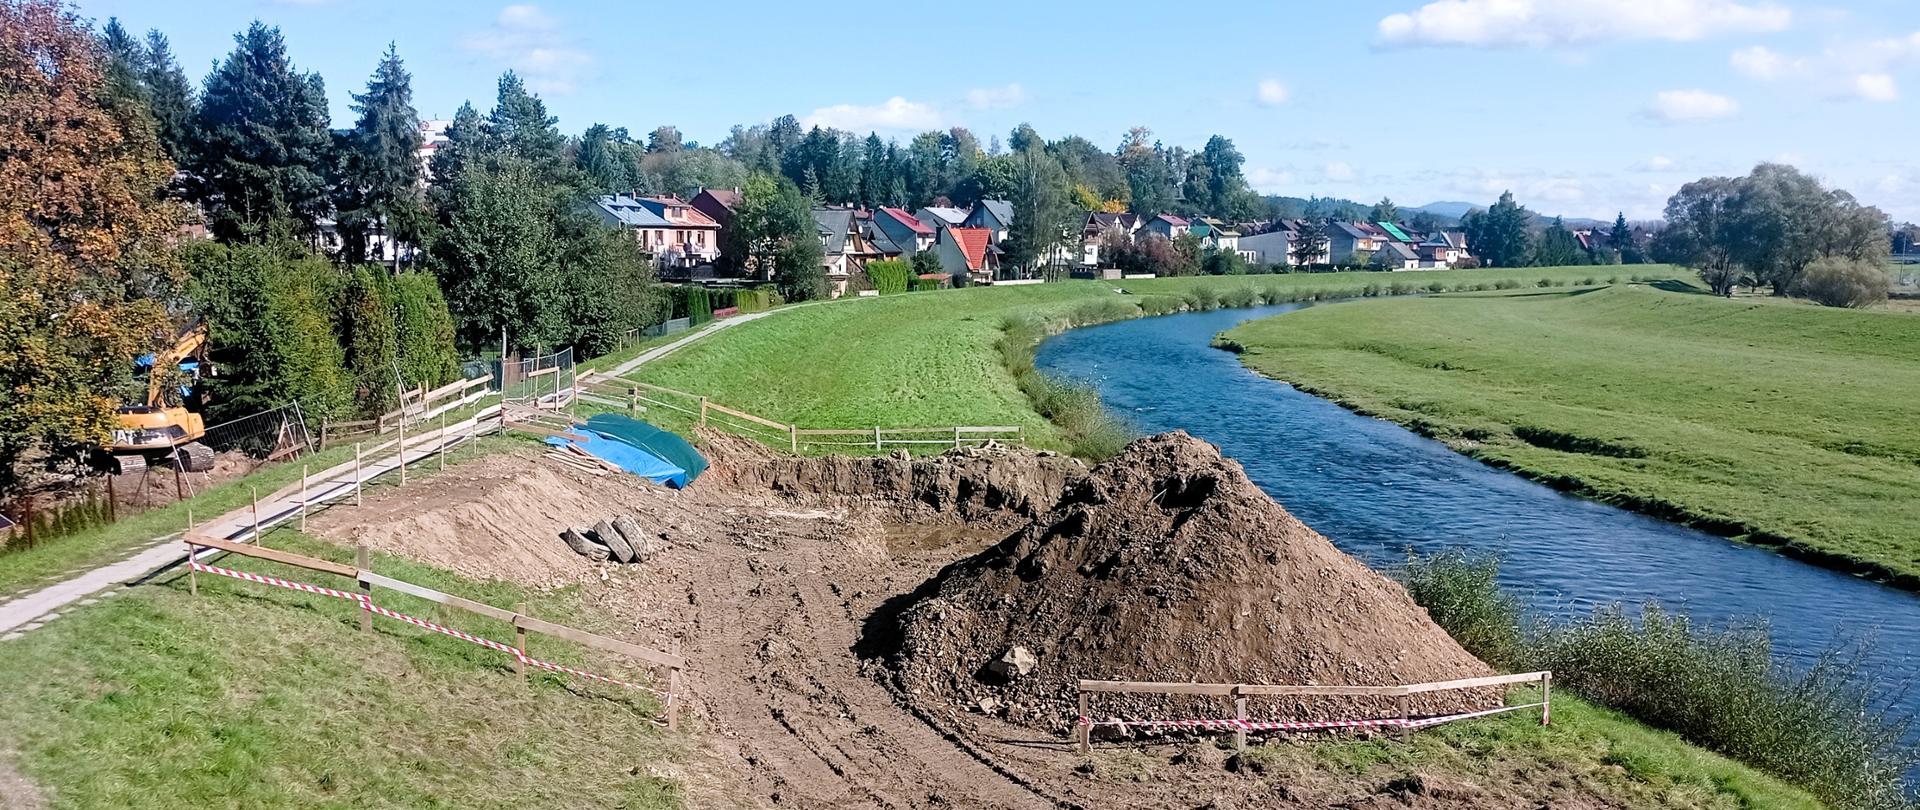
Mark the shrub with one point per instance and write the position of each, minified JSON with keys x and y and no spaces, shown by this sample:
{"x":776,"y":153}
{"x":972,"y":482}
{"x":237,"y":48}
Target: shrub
{"x":890,"y":276}
{"x":1093,"y":431}
{"x":424,"y":330}
{"x":1223,"y":263}
{"x":756,"y":300}
{"x":1506,"y":284}
{"x":270,"y":311}
{"x":1717,"y":687}
{"x":1203,"y":299}
{"x":368,"y":334}
{"x":1841,"y":282}
{"x":1240,"y":298}
{"x":1437,"y":287}
{"x":924,"y":284}
{"x":1161,"y":304}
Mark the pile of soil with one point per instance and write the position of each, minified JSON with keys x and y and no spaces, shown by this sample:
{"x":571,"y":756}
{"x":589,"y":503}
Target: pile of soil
{"x":1167,"y":564}
{"x":993,"y":485}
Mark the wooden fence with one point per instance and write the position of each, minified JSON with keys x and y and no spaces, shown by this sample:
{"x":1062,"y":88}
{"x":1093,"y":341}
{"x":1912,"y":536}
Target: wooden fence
{"x":416,"y":407}
{"x":1239,"y":692}
{"x":366,"y":581}
{"x":636,"y":397}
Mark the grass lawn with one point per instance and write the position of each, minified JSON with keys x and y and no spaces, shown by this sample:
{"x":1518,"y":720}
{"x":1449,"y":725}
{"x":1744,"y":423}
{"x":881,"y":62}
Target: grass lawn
{"x":254,"y":696}
{"x":928,"y":359}
{"x":1782,"y":424}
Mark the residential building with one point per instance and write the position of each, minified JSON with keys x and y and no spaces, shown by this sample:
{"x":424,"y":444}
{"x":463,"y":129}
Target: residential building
{"x":433,"y":135}
{"x":904,"y":229}
{"x":678,"y":236}
{"x":717,"y":203}
{"x":1217,"y":235}
{"x":1442,"y":249}
{"x":1099,"y":225}
{"x":937,"y":217}
{"x":1396,"y":256}
{"x":1166,"y":226}
{"x":994,"y":215}
{"x":1347,"y":238}
{"x":844,"y":247}
{"x":970,"y":251}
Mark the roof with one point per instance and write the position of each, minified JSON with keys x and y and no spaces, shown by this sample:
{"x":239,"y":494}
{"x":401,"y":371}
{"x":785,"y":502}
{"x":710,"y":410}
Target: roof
{"x":973,"y":243}
{"x":726,"y":197}
{"x":951,"y":216}
{"x":900,"y":215}
{"x":630,"y":211}
{"x":1395,"y":232}
{"x":678,"y":212}
{"x":1000,"y":209}
{"x":882,"y":243}
{"x":1400,"y":250}
{"x":1352,"y":230}
{"x":835,"y":224}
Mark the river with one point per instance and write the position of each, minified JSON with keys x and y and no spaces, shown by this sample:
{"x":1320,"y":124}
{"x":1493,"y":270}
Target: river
{"x":1376,"y":490}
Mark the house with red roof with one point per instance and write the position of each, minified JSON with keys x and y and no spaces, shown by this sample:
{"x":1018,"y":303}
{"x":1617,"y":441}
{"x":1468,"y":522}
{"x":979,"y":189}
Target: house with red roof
{"x":717,"y":203}
{"x":1166,"y":226}
{"x":904,"y":229}
{"x":968,"y":251}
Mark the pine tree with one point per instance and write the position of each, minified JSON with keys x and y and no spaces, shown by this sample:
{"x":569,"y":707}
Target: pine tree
{"x":519,"y":125}
{"x":1384,"y":211}
{"x":169,"y":97}
{"x":876,"y":173}
{"x":1621,"y":240}
{"x":124,"y":63}
{"x":466,"y":144}
{"x":604,"y":162}
{"x":380,"y":167}
{"x":261,"y":145}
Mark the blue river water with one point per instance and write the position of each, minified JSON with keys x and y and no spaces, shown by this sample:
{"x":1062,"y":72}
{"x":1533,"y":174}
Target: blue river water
{"x":1377,"y":490}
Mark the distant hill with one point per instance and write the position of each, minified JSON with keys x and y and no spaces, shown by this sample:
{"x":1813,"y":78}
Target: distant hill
{"x":1446,"y":210}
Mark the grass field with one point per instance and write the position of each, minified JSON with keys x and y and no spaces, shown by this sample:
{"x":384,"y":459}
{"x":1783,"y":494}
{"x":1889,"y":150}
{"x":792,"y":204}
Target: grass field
{"x":1781,"y":424}
{"x":253,"y":696}
{"x":929,"y":359}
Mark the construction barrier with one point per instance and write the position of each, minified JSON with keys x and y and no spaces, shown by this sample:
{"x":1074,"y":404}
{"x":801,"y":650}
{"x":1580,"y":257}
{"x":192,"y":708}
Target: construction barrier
{"x":522,"y":624}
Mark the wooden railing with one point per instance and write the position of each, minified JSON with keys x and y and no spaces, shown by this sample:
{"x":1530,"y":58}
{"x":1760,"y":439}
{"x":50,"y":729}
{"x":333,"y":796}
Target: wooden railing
{"x":636,"y":397}
{"x":522,"y":624}
{"x":416,"y":407}
{"x":1239,"y":692}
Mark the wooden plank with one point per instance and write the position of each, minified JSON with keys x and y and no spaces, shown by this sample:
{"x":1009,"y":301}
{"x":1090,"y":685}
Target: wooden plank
{"x":275,"y":555}
{"x":834,"y":433}
{"x":1014,"y":429}
{"x":1158,"y":688}
{"x":1349,"y":691}
{"x":602,"y":642}
{"x":545,"y":432}
{"x":376,"y":580}
{"x":1472,"y":683}
{"x":351,"y":425}
{"x":544,"y":372}
{"x":747,"y":416}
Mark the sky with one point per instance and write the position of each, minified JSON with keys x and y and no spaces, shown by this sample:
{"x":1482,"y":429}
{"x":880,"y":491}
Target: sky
{"x":1580,"y":107}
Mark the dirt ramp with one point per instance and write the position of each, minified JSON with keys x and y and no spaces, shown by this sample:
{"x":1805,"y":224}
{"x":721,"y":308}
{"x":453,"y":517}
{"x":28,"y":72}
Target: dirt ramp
{"x":1167,"y":564}
{"x":976,"y":485}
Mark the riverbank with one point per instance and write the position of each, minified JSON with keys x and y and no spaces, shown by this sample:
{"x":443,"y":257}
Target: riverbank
{"x":1784,"y":426}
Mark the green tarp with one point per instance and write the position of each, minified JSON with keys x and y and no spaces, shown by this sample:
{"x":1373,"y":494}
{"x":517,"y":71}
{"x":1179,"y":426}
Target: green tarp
{"x":652,"y":439}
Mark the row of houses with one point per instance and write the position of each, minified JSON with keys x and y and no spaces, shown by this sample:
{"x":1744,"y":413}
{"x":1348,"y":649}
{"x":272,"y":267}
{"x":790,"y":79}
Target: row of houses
{"x":684,"y":235}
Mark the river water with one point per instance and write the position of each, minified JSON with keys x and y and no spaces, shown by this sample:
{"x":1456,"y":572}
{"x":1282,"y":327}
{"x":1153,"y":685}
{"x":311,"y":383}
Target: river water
{"x":1377,"y":490}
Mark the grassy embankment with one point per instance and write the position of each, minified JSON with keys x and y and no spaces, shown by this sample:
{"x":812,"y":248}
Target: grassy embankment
{"x":255,"y":696}
{"x":938,"y":358}
{"x":1782,"y":425}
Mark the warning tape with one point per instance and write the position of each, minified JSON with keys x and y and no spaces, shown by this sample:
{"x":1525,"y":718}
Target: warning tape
{"x":1302,"y":725}
{"x":366,"y":603}
{"x":298,"y":586}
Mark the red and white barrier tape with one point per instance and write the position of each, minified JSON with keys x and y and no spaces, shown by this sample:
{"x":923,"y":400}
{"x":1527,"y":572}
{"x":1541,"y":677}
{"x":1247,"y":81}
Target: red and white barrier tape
{"x":1292,"y":725}
{"x":298,"y":586}
{"x":366,"y":603}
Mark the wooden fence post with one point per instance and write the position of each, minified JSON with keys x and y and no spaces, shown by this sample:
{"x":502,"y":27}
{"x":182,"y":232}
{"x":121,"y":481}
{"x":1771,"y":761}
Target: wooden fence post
{"x":673,"y":690}
{"x":633,"y":400}
{"x":876,"y":439}
{"x":1406,"y":714}
{"x":443,"y":440}
{"x":703,"y":412}
{"x":323,"y":433}
{"x":362,"y":560}
{"x":1240,"y":714}
{"x":956,"y":438}
{"x":356,"y":473}
{"x":193,"y":578}
{"x":1546,"y":698}
{"x":179,"y":488}
{"x":520,"y":642}
{"x":113,"y":502}
{"x":793,"y":438}
{"x":256,"y":514}
{"x":303,"y":497}
{"x":1083,"y":727}
{"x":402,"y":454}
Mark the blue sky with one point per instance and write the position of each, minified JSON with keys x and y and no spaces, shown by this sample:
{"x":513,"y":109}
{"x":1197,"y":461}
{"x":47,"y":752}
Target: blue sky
{"x":1581,"y":107}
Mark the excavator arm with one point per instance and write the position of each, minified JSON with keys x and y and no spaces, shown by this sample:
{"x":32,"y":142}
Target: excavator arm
{"x":160,"y":377}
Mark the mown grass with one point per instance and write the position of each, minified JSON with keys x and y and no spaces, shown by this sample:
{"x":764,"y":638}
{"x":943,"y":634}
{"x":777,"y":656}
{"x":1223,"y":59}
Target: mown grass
{"x":936,"y":358}
{"x":257,"y":697}
{"x":1719,"y":687}
{"x":1603,"y":753}
{"x":1781,"y":425}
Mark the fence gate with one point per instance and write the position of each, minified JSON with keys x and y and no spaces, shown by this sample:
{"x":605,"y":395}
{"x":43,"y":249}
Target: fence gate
{"x":546,"y":381}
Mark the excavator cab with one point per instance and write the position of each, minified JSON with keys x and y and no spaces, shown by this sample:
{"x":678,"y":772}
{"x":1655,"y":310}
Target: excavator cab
{"x":163,"y":430}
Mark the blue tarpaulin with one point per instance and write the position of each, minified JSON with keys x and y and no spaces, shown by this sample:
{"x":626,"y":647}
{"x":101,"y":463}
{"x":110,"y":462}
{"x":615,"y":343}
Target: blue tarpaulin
{"x":638,"y":448}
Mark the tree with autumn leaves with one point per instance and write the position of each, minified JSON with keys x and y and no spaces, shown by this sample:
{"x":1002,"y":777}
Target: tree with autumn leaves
{"x":87,"y":269}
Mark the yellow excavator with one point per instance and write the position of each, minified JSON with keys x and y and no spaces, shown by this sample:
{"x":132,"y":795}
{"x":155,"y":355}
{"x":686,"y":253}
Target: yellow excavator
{"x":163,"y":430}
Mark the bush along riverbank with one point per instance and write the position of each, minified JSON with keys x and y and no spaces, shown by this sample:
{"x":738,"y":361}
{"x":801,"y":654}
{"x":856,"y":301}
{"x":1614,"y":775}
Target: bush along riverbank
{"x":1718,"y":687}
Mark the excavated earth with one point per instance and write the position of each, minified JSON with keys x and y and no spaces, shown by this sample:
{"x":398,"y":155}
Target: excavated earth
{"x":815,"y":600}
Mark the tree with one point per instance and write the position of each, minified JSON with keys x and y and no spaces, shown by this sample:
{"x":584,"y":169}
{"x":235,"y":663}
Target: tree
{"x":771,"y":235}
{"x":1558,"y":247}
{"x":1384,"y":211}
{"x":85,"y":264}
{"x":1311,"y":243}
{"x":602,"y":159}
{"x":1044,"y":216}
{"x":925,"y":173}
{"x":466,"y":144}
{"x":876,"y":173}
{"x":270,"y":309}
{"x":1837,"y":281}
{"x":169,"y":98}
{"x":379,"y":190}
{"x":1775,"y":214}
{"x":606,"y":283}
{"x":1696,"y":236}
{"x":261,"y":146}
{"x":925,"y":263}
{"x":519,"y":126}
{"x":994,"y":178}
{"x":1621,"y":240}
{"x":423,"y":328}
{"x":665,"y":139}
{"x":1499,"y":236}
{"x":497,"y":257}
{"x":1149,"y":190}
{"x":368,"y":334}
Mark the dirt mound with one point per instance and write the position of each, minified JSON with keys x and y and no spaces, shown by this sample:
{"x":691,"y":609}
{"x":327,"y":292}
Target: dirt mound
{"x":988,"y":485}
{"x":1167,"y":564}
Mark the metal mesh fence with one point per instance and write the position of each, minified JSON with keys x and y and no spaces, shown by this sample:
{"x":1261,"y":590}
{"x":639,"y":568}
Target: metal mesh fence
{"x":269,"y":435}
{"x":545,"y":381}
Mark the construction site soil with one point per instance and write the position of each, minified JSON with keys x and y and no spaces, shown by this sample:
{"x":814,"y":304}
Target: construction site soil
{"x":835,"y":612}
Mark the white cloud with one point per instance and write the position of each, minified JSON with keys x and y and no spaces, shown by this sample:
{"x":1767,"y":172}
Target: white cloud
{"x":1268,"y":180}
{"x":1876,"y":87}
{"x":1761,"y":62}
{"x":1272,"y":93}
{"x":993,"y":98}
{"x":894,"y":114}
{"x":1337,"y":172}
{"x":1691,"y":106}
{"x":531,"y":42}
{"x":1549,"y":23}
{"x":1657,"y":163}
